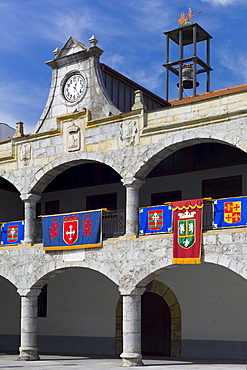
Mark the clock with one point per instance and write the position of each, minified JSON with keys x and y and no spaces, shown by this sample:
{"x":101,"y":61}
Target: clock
{"x":73,"y":88}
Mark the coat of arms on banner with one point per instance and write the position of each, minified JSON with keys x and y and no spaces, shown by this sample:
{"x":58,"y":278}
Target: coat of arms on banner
{"x":70,"y":229}
{"x":232,"y":212}
{"x":12,"y":233}
{"x":155,"y":219}
{"x":186,"y":233}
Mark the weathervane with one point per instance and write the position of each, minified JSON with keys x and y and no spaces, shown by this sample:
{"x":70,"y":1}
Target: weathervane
{"x":182,"y":18}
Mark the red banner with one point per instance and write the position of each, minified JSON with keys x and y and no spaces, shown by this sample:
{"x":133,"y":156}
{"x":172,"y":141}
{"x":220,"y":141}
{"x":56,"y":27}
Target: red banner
{"x":187,"y":231}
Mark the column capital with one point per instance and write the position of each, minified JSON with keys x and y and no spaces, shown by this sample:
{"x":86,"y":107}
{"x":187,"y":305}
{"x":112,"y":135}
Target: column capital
{"x":27,"y":292}
{"x":132,"y":182}
{"x":132,"y":291}
{"x":30,"y":198}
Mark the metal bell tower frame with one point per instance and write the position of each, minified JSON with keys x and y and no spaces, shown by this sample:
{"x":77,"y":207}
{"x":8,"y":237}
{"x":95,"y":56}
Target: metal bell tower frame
{"x":188,"y":34}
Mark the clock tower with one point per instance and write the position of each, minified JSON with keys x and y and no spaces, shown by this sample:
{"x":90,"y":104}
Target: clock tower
{"x":76,"y":85}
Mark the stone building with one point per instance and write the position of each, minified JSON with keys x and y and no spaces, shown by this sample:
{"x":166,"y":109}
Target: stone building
{"x":104,"y":142}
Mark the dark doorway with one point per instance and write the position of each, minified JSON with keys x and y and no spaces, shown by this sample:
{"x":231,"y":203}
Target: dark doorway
{"x":156,"y":326}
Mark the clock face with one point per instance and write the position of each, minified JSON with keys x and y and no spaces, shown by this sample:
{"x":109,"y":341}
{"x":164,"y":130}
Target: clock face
{"x":73,"y":88}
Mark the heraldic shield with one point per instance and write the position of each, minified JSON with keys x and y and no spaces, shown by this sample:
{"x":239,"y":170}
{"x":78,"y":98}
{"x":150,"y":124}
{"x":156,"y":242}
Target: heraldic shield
{"x":70,"y":229}
{"x":12,"y":235}
{"x":232,"y":212}
{"x":186,"y":233}
{"x":155,"y":219}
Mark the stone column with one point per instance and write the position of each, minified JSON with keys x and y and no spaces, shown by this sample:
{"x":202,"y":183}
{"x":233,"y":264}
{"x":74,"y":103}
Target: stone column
{"x":29,"y":348}
{"x":132,"y":204}
{"x":30,"y":201}
{"x":131,"y":355}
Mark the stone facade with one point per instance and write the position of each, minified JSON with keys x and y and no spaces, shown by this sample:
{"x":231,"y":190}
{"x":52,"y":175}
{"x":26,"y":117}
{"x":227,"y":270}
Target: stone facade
{"x":132,"y":144}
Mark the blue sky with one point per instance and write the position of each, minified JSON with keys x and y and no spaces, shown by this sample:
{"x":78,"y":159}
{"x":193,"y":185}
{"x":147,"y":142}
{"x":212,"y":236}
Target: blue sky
{"x":131,"y":34}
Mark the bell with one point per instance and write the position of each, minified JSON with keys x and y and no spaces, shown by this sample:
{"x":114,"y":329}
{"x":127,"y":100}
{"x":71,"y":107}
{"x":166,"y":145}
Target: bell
{"x":187,"y":78}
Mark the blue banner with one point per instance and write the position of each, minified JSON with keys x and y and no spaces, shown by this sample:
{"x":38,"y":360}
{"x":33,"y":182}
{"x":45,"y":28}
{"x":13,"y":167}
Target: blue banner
{"x":72,"y":230}
{"x":230,"y":212}
{"x":155,"y":220}
{"x":12,"y":232}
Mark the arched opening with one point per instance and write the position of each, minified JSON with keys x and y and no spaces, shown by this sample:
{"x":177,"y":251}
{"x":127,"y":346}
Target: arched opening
{"x":80,"y":315}
{"x":9,"y":317}
{"x":12,"y":208}
{"x":161,"y":322}
{"x":156,"y":326}
{"x":203,"y":170}
{"x":85,"y":186}
{"x":213,"y":310}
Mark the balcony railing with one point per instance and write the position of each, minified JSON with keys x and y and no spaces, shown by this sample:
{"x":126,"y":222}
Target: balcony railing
{"x":113,"y":225}
{"x":114,"y":222}
{"x":207,"y":217}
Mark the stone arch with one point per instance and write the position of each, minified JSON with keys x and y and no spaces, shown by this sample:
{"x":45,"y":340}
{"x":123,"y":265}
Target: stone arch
{"x":12,"y":178}
{"x":169,"y":297}
{"x":156,"y":153}
{"x":49,"y":272}
{"x":5,"y":274}
{"x":45,"y":174}
{"x":230,"y":262}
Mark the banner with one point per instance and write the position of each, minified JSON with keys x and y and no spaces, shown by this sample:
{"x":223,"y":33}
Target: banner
{"x":12,"y":232}
{"x":72,"y":230}
{"x":187,"y":231}
{"x":155,"y":220}
{"x":230,"y":212}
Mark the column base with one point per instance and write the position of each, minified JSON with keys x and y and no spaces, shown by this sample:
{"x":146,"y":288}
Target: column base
{"x":131,"y":359}
{"x":28,"y":354}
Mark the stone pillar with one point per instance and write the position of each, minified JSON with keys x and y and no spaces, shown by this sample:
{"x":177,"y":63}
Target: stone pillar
{"x":30,"y":201}
{"x":132,"y":204}
{"x":29,"y":348}
{"x":131,"y":355}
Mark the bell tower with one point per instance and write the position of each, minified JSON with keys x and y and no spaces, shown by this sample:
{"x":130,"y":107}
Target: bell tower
{"x":186,"y":69}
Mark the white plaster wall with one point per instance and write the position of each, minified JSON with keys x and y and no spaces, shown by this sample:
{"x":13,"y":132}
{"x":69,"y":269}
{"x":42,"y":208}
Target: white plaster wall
{"x":81,"y":302}
{"x":75,"y":199}
{"x":212,"y":301}
{"x":12,"y":207}
{"x":190,"y":183}
{"x":10,"y":308}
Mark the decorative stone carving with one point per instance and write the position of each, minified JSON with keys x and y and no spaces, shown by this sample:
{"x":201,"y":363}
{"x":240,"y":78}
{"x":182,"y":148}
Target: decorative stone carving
{"x":25,"y":154}
{"x":74,"y":142}
{"x":128,"y":133}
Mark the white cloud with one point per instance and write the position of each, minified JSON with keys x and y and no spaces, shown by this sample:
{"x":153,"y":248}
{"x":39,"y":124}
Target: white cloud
{"x":234,"y":62}
{"x":151,"y":15}
{"x":20,"y":101}
{"x":224,"y":2}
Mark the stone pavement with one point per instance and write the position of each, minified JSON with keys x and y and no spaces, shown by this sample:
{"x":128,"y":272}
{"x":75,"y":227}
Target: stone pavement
{"x":55,"y":362}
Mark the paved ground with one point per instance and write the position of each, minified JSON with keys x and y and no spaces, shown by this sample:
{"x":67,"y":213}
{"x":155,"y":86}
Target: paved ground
{"x":53,"y":362}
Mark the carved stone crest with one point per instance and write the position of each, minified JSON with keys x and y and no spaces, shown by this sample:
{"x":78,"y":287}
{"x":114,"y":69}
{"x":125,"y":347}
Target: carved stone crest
{"x":25,"y":154}
{"x":129,"y":132}
{"x":74,"y":139}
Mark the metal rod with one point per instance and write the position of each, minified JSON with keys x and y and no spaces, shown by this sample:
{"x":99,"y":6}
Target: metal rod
{"x":194,"y":61}
{"x":208,"y":63}
{"x":167,"y":70}
{"x":180,"y":88}
{"x":194,"y":78}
